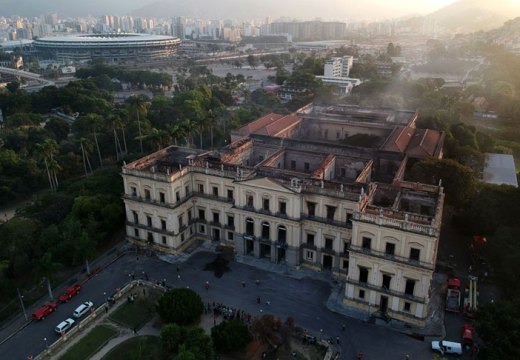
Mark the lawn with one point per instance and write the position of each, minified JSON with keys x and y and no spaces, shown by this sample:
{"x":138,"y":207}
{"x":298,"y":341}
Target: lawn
{"x":134,"y":315}
{"x":137,"y":348}
{"x":90,"y":344}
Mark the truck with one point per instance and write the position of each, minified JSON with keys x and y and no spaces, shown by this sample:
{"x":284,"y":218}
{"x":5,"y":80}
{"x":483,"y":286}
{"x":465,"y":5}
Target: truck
{"x":44,"y":311}
{"x":471,"y":298}
{"x":453,"y":295}
{"x":69,"y":293}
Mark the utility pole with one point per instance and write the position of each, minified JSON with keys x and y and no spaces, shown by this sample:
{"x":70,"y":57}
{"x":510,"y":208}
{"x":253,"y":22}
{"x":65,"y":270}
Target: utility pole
{"x":21,"y":302}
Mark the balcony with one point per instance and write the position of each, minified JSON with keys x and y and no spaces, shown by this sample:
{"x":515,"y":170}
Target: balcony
{"x":327,"y":221}
{"x":328,"y":251}
{"x":249,"y":237}
{"x":387,"y":291}
{"x":151,"y":228}
{"x":215,"y":223}
{"x":281,"y":244}
{"x":230,"y":227}
{"x":309,"y":246}
{"x":268,"y":213}
{"x":395,"y":258}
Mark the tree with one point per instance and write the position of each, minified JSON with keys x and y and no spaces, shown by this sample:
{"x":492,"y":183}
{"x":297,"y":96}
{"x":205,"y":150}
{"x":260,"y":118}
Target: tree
{"x":47,"y":151}
{"x":185,"y":355}
{"x":46,"y":267}
{"x":172,"y":336}
{"x":230,"y":335}
{"x":138,"y":105}
{"x":180,"y":306}
{"x":95,"y":121}
{"x":199,"y":344}
{"x":13,"y":86}
{"x":498,"y":325}
{"x":252,"y":61}
{"x":459,"y":181}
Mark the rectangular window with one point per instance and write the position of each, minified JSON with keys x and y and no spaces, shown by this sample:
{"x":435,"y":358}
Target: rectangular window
{"x":136,"y":233}
{"x":202,"y":229}
{"x":329,"y":243}
{"x":415,"y":254}
{"x":186,"y":191}
{"x":162,"y":198}
{"x":215,"y":191}
{"x":366,"y":243}
{"x":182,"y":237}
{"x":231,"y":221}
{"x":216,"y":217}
{"x":310,"y":239}
{"x":386,"y":281}
{"x":230,"y":236}
{"x":344,"y":264}
{"x":410,"y":287}
{"x":150,"y":237}
{"x":201,"y":188}
{"x":230,"y":194}
{"x":178,"y":195}
{"x":136,"y":217}
{"x":293,"y":165}
{"x":164,"y":239}
{"x":134,"y":191}
{"x":363,"y":274}
{"x":189,"y":215}
{"x":337,"y":134}
{"x":311,"y":208}
{"x":331,"y":210}
{"x":307,"y":166}
{"x":147,"y":195}
{"x":283,"y":207}
{"x":361,"y":294}
{"x":202,"y":214}
{"x":250,"y":201}
{"x":163,"y":224}
{"x":407,"y":306}
{"x":180,"y":218}
{"x":343,"y":172}
{"x":309,"y":255}
{"x":390,"y":249}
{"x":265,"y":204}
{"x":149,"y":221}
{"x":349,"y":220}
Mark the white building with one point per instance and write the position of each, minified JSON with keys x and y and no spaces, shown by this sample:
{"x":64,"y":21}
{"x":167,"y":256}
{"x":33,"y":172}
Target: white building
{"x":338,"y":67}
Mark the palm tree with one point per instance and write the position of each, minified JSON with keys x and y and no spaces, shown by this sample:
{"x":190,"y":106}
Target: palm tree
{"x":86,"y":147}
{"x":46,"y":151}
{"x":176,"y":130}
{"x":46,"y":267}
{"x":138,"y":104}
{"x":95,"y":122}
{"x":119,"y":150}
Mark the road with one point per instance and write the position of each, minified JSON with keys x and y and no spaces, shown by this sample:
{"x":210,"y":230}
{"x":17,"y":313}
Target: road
{"x":304,"y":300}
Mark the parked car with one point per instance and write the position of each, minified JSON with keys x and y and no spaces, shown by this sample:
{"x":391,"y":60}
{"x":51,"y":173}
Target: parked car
{"x":44,"y":311}
{"x":447,"y":347}
{"x":70,"y":292}
{"x":82,"y":309}
{"x":64,"y":326}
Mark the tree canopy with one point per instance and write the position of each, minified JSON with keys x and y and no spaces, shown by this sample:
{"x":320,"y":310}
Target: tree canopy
{"x":180,"y":306}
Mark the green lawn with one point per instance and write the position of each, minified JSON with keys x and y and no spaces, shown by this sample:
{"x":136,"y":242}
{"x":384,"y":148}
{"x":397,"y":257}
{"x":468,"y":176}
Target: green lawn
{"x":134,"y":315}
{"x":137,"y":348}
{"x":90,"y":344}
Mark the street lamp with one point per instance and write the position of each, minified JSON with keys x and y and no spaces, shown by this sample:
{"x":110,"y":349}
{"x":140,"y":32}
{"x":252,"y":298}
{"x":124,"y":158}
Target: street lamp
{"x":23,"y":307}
{"x":46,"y":343}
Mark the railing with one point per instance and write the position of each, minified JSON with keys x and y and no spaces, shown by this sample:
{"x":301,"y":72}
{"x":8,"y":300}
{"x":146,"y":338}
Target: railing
{"x":396,"y":258}
{"x":395,"y":223}
{"x":151,"y":228}
{"x":328,"y":221}
{"x":328,"y":251}
{"x":309,"y":246}
{"x":188,"y":196}
{"x":386,"y":290}
{"x":253,"y":210}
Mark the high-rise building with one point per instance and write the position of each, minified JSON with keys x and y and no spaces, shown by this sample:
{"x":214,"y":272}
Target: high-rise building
{"x":338,"y":66}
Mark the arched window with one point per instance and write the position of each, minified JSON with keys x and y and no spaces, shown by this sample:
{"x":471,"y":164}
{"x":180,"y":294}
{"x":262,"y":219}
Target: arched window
{"x":266,"y":230}
{"x":250,"y":227}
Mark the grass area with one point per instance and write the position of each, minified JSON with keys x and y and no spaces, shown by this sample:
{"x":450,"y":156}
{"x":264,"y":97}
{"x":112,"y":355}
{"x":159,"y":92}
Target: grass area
{"x":134,"y":315}
{"x":90,"y":344}
{"x":137,"y":348}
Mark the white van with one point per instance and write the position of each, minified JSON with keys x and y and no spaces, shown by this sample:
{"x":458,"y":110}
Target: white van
{"x":64,"y":326}
{"x":82,"y":309}
{"x":447,"y":347}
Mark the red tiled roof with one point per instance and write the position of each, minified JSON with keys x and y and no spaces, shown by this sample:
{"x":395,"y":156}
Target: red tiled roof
{"x":425,"y":143}
{"x":399,"y":139}
{"x":258,"y":124}
{"x":283,"y":123}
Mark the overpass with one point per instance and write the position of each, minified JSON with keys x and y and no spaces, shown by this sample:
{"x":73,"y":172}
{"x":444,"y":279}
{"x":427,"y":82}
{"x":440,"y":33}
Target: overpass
{"x":27,"y":75}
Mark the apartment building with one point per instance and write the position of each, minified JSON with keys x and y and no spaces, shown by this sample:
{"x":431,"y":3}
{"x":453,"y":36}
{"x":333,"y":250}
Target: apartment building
{"x":323,"y":188}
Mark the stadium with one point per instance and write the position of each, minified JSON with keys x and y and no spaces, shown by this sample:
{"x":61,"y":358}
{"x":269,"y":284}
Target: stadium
{"x":112,"y":48}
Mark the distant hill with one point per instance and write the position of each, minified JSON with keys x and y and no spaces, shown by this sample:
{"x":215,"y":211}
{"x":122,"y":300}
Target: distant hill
{"x":507,"y":35}
{"x":466,"y":16}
